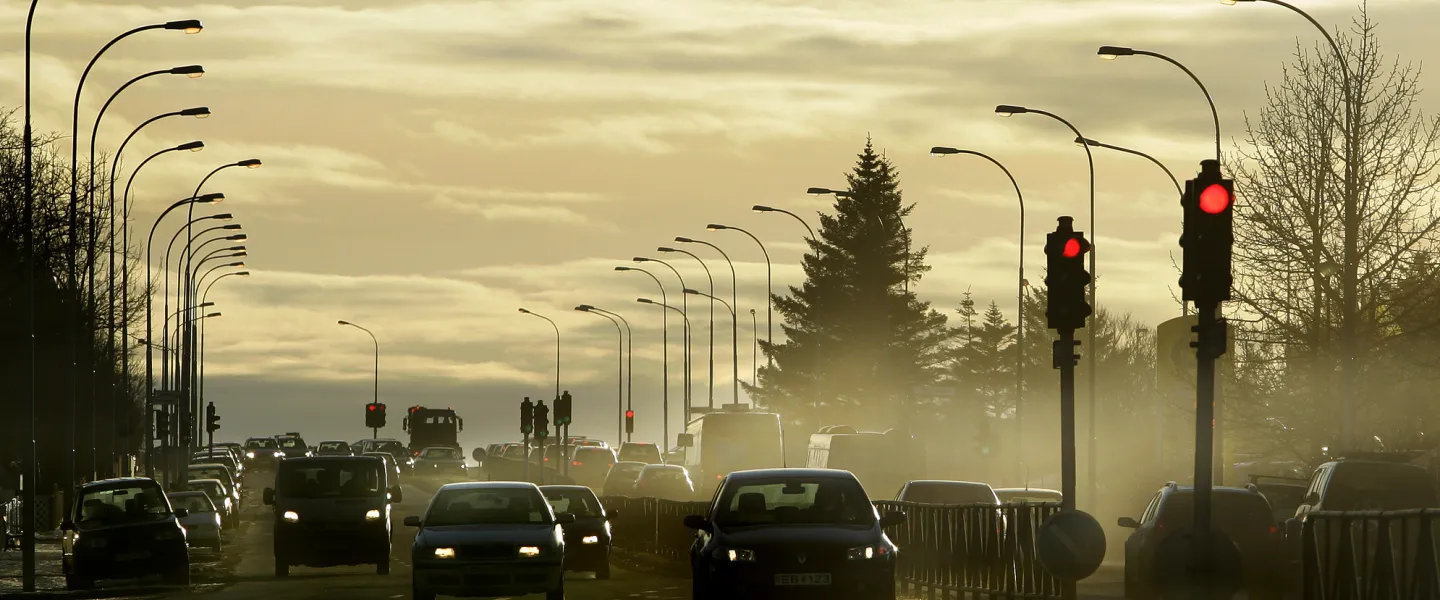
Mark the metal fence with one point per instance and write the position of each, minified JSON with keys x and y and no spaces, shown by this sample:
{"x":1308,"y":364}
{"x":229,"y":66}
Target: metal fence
{"x":983,"y":551}
{"x":1370,"y":555}
{"x":12,"y":524}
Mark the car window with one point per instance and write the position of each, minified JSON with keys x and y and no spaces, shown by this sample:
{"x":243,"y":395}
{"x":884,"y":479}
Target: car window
{"x":194,"y":504}
{"x":1232,"y":512}
{"x":136,"y":503}
{"x":210,"y":473}
{"x":348,"y":479}
{"x":663,"y":475}
{"x":576,"y":502}
{"x":334,"y":446}
{"x":390,"y":446}
{"x":442,"y":453}
{"x":949,"y":493}
{"x":487,"y":506}
{"x":795,"y":500}
{"x":1149,"y":514}
{"x":260,"y":443}
{"x":211,"y":489}
{"x":626,"y":470}
{"x":598,"y":454}
{"x":1379,"y":486}
{"x":292,"y":443}
{"x":640,"y":452}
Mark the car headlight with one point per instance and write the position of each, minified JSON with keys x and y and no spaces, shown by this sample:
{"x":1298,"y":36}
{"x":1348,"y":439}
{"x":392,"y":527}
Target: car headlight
{"x":279,"y":454}
{"x":249,"y":455}
{"x":590,"y":539}
{"x":529,"y":551}
{"x":227,"y":504}
{"x":170,"y":534}
{"x":291,"y":516}
{"x":867,"y":552}
{"x":444,"y":553}
{"x":735,"y":554}
{"x":372,"y":514}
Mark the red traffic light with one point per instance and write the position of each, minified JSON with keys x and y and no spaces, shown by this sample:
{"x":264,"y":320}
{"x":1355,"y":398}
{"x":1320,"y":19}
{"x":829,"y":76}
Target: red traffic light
{"x":370,"y":407}
{"x":629,"y":414}
{"x":1072,"y":248}
{"x":1213,"y":200}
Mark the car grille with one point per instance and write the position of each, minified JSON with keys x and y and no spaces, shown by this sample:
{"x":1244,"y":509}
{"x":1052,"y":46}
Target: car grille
{"x":786,"y":558}
{"x":485,"y":552}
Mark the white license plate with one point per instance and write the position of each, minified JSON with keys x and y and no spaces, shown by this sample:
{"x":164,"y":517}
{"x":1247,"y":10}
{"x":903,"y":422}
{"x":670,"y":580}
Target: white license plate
{"x":132,"y":556}
{"x":802,"y":579}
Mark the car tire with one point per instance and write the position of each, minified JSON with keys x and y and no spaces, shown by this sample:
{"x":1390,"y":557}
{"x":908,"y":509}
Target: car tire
{"x":178,"y":574}
{"x":419,"y":593}
{"x":559,"y":592}
{"x":383,"y":567}
{"x":603,"y":570}
{"x":282,"y":568}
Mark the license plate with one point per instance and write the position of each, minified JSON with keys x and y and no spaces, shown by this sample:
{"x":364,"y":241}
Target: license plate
{"x":132,"y":556}
{"x":803,"y":579}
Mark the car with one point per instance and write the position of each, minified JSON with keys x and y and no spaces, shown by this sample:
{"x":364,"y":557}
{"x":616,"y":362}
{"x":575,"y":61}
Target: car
{"x":620,"y":481}
{"x":666,"y":482}
{"x":334,"y":448}
{"x":953,"y":493}
{"x":262,"y":452}
{"x":488,"y":539}
{"x":640,"y":452}
{"x":201,"y":521}
{"x":392,"y":447}
{"x":587,"y":541}
{"x":123,"y":528}
{"x":293,"y":445}
{"x":215,"y":471}
{"x":1243,"y":514}
{"x":1028,"y":495}
{"x":1284,"y":493}
{"x":770,"y":532}
{"x":331,"y":511}
{"x":391,"y":467}
{"x":590,"y":464}
{"x":236,"y":449}
{"x":215,"y":490}
{"x":222,"y":457}
{"x":441,"y":461}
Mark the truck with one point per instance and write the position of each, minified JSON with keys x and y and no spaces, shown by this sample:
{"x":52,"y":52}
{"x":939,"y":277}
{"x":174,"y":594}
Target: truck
{"x":432,"y":427}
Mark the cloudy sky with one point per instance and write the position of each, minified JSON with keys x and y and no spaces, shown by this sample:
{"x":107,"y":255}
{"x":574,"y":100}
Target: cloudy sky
{"x":432,"y":166}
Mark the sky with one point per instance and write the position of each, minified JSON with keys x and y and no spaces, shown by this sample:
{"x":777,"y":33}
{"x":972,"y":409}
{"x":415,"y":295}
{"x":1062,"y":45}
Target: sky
{"x":431,"y":167}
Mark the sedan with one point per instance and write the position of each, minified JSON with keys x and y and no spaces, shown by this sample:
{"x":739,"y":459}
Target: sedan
{"x":438,"y":461}
{"x":587,"y":542}
{"x":202,"y":521}
{"x":783,"y":532}
{"x":489,"y":539}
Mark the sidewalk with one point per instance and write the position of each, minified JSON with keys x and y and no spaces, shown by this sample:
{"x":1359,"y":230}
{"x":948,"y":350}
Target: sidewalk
{"x":48,"y":574}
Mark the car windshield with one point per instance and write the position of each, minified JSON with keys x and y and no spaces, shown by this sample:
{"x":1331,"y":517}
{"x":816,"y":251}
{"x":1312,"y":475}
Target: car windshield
{"x":1236,"y":513}
{"x":385,"y":458}
{"x":580,"y":503}
{"x":626,"y":471}
{"x":209,"y":473}
{"x":325,"y":479}
{"x":662,"y":476}
{"x":440,"y":453}
{"x":194,"y":504}
{"x":640,"y":452}
{"x":487,"y":506}
{"x":260,"y":443}
{"x":794,"y":500}
{"x":334,"y":447}
{"x":135,"y":503}
{"x":949,"y":493}
{"x":1379,"y":486}
{"x":292,"y":443}
{"x":390,"y":446}
{"x":211,"y":488}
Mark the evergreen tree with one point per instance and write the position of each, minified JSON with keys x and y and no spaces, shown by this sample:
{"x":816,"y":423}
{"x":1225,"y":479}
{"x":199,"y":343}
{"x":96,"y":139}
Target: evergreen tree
{"x":985,"y":363}
{"x":857,"y":339}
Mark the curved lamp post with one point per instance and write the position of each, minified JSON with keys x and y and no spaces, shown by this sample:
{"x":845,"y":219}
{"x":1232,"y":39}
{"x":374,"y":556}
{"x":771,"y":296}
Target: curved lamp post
{"x":734,"y":342}
{"x":1152,"y":159}
{"x":557,"y":346}
{"x":689,"y":336}
{"x":711,"y":397}
{"x":761,"y":208}
{"x":664,"y":354}
{"x":754,"y":350}
{"x":27,"y":393}
{"x":377,"y":356}
{"x":684,"y":317}
{"x":734,"y":299}
{"x":620,"y":370}
{"x":814,"y":244}
{"x":769,"y":325}
{"x":1113,"y":52}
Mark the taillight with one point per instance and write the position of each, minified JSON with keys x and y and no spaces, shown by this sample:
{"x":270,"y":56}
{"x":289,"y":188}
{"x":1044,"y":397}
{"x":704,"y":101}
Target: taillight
{"x":719,"y":476}
{"x":575,"y":463}
{"x":1274,"y":529}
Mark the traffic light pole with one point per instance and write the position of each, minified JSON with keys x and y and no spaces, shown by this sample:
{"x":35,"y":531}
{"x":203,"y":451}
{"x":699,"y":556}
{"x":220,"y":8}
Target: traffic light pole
{"x":1065,"y":359}
{"x":1209,"y":345}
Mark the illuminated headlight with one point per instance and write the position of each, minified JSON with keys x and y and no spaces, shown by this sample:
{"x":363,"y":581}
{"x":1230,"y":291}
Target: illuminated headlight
{"x":867,"y":552}
{"x":227,"y":504}
{"x":735,"y":554}
{"x":249,"y":455}
{"x":444,"y":553}
{"x":590,"y":539}
{"x":279,"y":454}
{"x":170,"y":534}
{"x":291,"y":516}
{"x":372,"y":515}
{"x":529,"y":551}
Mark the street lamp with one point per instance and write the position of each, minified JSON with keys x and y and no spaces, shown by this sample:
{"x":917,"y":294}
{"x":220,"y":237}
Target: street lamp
{"x":684,"y":311}
{"x":819,"y":191}
{"x":1019,"y":285}
{"x":711,"y":280}
{"x":734,"y":342}
{"x":557,"y":347}
{"x":684,"y":317}
{"x":377,"y":360}
{"x":32,"y":471}
{"x":735,"y":301}
{"x":620,"y":369}
{"x":760,"y":208}
{"x":1113,"y":52}
{"x":664,"y":355}
{"x":1173,"y":180}
{"x":769,"y":325}
{"x":814,"y":243}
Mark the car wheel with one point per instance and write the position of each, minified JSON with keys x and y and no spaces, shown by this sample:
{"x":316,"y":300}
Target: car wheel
{"x":282,"y":568}
{"x":559,"y":592}
{"x":604,"y":571}
{"x":383,"y":567}
{"x":419,"y":593}
{"x":179,"y":574}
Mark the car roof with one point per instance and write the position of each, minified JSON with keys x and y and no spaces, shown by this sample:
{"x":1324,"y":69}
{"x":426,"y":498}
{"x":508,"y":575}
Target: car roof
{"x":489,"y":485}
{"x":207,"y":466}
{"x":664,"y":468}
{"x":640,"y":444}
{"x":629,"y":463}
{"x":567,"y":488}
{"x":376,"y":440}
{"x":326,"y":459}
{"x":186,"y":494}
{"x":950,"y":483}
{"x":779,"y":473}
{"x":1047,"y":492}
{"x":214,"y":481}
{"x":335,"y":442}
{"x":118,"y":482}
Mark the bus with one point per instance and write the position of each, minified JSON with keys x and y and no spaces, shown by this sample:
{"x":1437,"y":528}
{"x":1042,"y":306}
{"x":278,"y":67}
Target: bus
{"x":734,"y":439}
{"x":883,"y":462}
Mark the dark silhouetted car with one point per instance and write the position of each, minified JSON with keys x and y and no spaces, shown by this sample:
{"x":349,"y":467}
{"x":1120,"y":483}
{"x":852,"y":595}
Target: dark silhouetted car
{"x":587,"y":541}
{"x":441,"y":461}
{"x":590,"y":464}
{"x":489,"y":539}
{"x":792,"y":532}
{"x":262,"y":453}
{"x":333,"y":448}
{"x":1242,"y":514}
{"x":666,"y":482}
{"x":331,"y":511}
{"x":621,"y":479}
{"x":123,"y":529}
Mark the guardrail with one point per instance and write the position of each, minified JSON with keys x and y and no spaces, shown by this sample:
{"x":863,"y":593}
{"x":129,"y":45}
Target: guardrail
{"x":976,"y":549}
{"x":1379,"y":555}
{"x":11,"y":531}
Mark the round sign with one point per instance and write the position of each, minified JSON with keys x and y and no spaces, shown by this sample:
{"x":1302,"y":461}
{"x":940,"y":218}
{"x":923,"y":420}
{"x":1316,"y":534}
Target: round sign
{"x":1070,"y":545}
{"x":1179,"y":577}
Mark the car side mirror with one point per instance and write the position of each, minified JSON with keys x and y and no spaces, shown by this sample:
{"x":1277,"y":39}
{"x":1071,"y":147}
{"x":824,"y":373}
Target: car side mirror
{"x":1127,"y":523}
{"x":412,"y":521}
{"x":891,"y":519}
{"x":67,"y":525}
{"x":269,"y":496}
{"x":181,"y":513}
{"x":564,"y":518}
{"x":699,"y":522}
{"x":1312,"y":498}
{"x":396,"y":495}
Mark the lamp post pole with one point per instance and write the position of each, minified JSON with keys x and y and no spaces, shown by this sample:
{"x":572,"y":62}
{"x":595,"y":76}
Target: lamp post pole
{"x":769,"y":324}
{"x":664,"y":355}
{"x":620,"y":371}
{"x":734,"y":341}
{"x":684,"y":317}
{"x":557,"y":346}
{"x":754,"y":350}
{"x":711,"y":397}
{"x":814,"y":244}
{"x":629,"y":357}
{"x":685,"y":312}
{"x":734,"y":325}
{"x":27,"y":392}
{"x":203,"y":300}
{"x":375,"y":434}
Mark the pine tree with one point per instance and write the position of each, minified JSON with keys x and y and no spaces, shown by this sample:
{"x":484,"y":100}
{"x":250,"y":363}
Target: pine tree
{"x":985,"y":363}
{"x":854,"y":326}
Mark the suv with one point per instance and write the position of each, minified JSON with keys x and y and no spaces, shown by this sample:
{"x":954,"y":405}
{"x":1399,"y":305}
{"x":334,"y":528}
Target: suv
{"x":1243,"y":514}
{"x":638,"y":452}
{"x":293,"y":446}
{"x":331,"y":511}
{"x":334,"y":448}
{"x":129,"y":530}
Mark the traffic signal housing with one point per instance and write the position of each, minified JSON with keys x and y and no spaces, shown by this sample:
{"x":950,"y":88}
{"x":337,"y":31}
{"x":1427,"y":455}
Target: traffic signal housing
{"x":162,"y":425}
{"x":527,"y":416}
{"x":542,"y":420}
{"x":563,"y":406}
{"x":629,"y":421}
{"x":1208,"y":236}
{"x":1066,"y":277}
{"x":212,"y":420}
{"x":375,"y":415}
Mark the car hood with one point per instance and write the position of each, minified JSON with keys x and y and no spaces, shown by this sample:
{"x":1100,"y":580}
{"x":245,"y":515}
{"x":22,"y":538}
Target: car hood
{"x":781,"y":535}
{"x":458,"y":535}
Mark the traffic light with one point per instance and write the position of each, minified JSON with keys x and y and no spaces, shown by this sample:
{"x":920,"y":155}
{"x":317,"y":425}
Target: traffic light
{"x":527,"y":416}
{"x":162,"y":425}
{"x":1066,"y":277}
{"x":212,"y":420}
{"x":629,"y":421}
{"x":562,"y":409}
{"x":372,"y":414}
{"x":542,"y":420}
{"x":1208,"y":235}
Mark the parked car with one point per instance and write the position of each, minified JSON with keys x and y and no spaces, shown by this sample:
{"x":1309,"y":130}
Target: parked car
{"x":216,"y":471}
{"x":587,"y":541}
{"x":215,"y":490}
{"x":202,"y":519}
{"x":121,"y":529}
